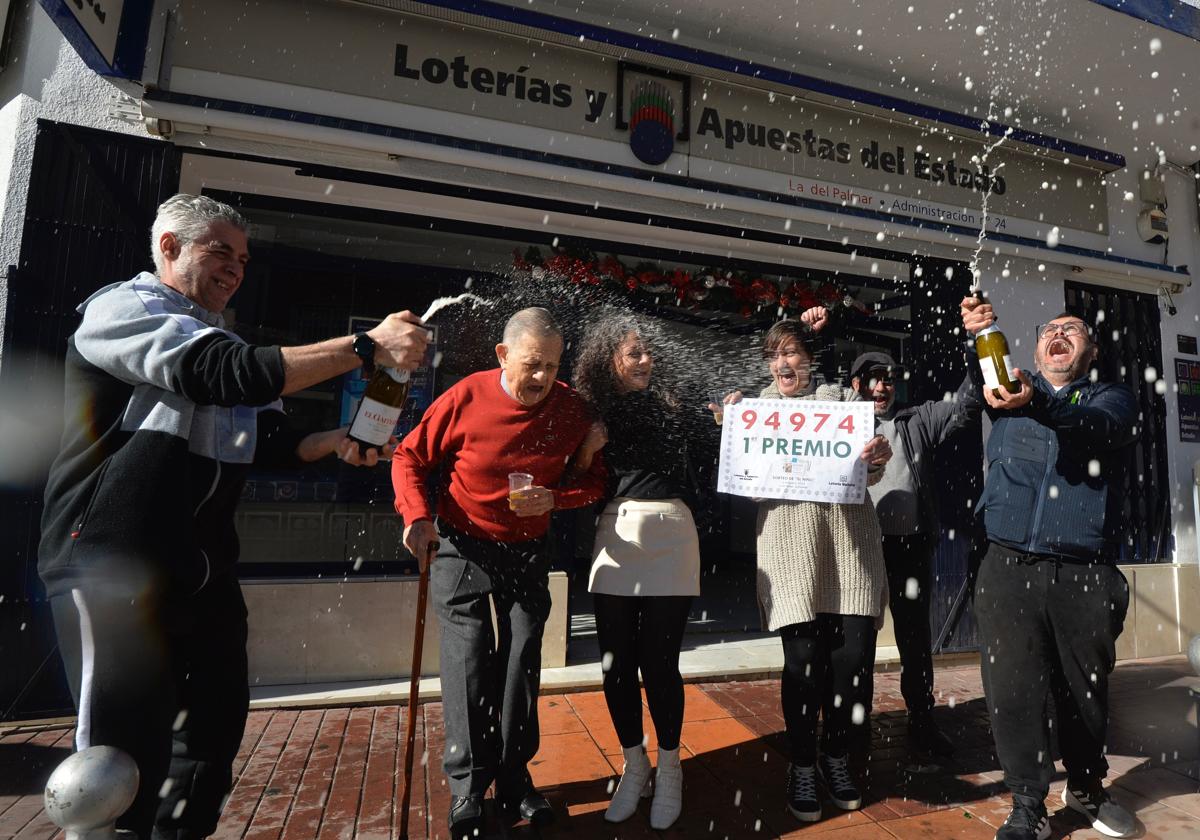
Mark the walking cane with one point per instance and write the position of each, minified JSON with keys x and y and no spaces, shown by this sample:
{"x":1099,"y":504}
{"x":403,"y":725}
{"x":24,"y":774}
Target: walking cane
{"x":414,"y":686}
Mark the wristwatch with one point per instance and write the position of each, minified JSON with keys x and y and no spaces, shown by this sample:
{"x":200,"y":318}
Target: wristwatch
{"x":364,"y":348}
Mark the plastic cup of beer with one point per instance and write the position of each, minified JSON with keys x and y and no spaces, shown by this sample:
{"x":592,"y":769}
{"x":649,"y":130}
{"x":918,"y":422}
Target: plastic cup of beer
{"x":517,"y":484}
{"x":717,"y":398}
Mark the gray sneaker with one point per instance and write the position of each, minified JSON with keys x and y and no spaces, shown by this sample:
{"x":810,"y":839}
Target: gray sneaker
{"x":1104,"y":813}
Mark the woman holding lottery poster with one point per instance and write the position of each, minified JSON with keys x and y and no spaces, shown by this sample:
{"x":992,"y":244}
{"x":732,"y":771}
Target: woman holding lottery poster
{"x":646,"y":558}
{"x":822,"y":584}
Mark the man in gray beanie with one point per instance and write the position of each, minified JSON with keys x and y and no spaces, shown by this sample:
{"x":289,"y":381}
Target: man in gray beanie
{"x":907,"y":509}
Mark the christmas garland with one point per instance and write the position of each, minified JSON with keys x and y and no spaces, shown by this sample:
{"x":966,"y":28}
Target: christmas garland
{"x":749,"y":293}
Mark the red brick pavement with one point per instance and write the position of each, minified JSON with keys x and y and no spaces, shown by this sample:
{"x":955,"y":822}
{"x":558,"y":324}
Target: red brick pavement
{"x":335,"y":774}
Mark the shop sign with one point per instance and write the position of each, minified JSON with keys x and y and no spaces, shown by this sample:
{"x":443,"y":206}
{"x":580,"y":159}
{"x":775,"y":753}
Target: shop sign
{"x":109,"y":35}
{"x":480,"y":86}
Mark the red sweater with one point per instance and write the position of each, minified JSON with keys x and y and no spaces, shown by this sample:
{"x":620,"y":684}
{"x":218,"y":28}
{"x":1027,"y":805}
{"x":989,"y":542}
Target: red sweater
{"x":478,"y":434}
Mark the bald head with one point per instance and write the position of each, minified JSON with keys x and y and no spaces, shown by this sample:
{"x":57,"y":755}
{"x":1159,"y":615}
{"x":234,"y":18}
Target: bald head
{"x":534,"y":321}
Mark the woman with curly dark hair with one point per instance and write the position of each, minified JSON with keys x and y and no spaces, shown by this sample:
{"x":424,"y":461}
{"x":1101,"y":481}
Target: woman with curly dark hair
{"x":646,"y":558}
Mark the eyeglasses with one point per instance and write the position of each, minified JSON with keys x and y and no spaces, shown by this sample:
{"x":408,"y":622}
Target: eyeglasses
{"x":786,"y":353}
{"x":1066,"y":330}
{"x":884,"y":377}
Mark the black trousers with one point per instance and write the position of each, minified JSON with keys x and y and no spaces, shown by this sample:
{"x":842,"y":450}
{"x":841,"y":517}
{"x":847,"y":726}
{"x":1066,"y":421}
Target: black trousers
{"x":643,"y":633}
{"x":828,"y":668}
{"x":165,"y":682}
{"x":1048,"y":629}
{"x":910,"y":557}
{"x":490,"y":684}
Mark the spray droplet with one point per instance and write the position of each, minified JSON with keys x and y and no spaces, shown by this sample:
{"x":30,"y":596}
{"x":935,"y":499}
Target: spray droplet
{"x":912,"y":588}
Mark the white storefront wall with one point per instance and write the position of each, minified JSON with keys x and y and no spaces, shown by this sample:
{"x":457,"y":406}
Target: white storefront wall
{"x":46,"y":79}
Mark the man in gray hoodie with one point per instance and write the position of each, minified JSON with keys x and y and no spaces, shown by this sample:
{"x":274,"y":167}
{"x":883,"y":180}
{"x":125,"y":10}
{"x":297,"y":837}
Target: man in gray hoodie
{"x":166,"y":412}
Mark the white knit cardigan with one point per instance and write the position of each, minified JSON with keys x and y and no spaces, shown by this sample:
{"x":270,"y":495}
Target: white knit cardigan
{"x":819,"y":557}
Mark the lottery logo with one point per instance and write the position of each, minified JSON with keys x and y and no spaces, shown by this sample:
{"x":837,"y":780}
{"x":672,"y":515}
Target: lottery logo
{"x":651,"y":122}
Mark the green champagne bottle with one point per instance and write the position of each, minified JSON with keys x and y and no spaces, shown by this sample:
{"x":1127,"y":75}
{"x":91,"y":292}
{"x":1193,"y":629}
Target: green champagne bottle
{"x":992,"y":348}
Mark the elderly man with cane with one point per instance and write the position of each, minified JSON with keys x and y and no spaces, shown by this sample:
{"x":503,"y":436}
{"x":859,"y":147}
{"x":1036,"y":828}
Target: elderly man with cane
{"x":513,"y":421}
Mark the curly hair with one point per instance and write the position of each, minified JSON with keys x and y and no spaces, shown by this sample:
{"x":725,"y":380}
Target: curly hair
{"x":595,"y":375}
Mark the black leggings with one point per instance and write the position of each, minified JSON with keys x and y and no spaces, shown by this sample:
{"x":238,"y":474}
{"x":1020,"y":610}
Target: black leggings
{"x":828,"y":667}
{"x":643,"y":632}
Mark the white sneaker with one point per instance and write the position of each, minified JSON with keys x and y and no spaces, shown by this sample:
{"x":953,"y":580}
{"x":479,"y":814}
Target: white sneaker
{"x":668,"y":791}
{"x":633,"y":786}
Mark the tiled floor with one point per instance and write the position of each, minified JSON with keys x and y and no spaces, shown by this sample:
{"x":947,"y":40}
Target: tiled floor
{"x":334,"y":773}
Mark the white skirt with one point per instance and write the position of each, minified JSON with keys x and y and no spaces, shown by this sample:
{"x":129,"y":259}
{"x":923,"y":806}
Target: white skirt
{"x":646,"y":547}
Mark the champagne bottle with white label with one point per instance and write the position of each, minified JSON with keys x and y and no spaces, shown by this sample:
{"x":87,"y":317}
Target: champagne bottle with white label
{"x":380,"y":408}
{"x":992,"y":347}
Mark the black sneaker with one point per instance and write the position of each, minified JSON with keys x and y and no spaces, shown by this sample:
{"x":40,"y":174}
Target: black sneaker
{"x":1105,"y":814}
{"x":1027,"y":821}
{"x":835,"y":775}
{"x":466,"y":817}
{"x":532,"y":807}
{"x":925,"y":738}
{"x":802,"y":793}
{"x":929,"y":750}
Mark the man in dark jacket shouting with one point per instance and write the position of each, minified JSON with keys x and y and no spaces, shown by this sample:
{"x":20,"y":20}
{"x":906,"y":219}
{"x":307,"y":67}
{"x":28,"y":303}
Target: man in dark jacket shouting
{"x":1049,"y":598}
{"x":166,"y":410}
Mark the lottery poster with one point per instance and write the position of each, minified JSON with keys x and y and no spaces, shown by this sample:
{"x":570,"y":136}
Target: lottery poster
{"x":798,"y":450}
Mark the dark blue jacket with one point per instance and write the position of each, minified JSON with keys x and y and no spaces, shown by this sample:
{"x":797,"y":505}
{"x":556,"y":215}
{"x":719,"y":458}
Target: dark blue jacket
{"x":1054,"y":481}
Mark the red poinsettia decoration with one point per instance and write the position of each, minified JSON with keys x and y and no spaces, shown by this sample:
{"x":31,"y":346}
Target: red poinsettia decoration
{"x":751,"y":293}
